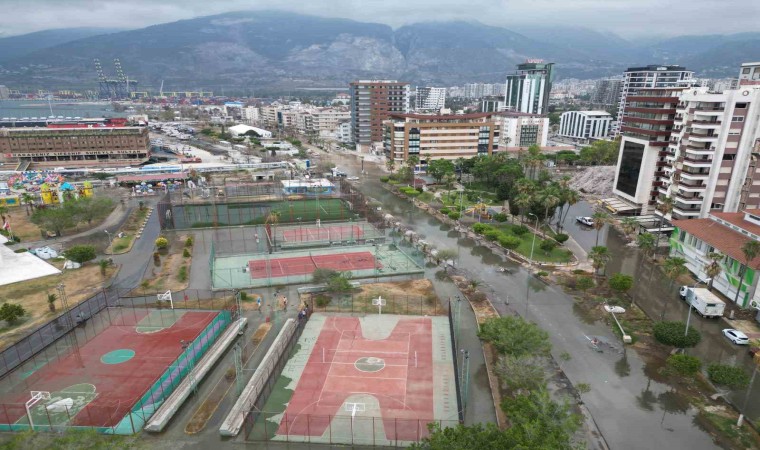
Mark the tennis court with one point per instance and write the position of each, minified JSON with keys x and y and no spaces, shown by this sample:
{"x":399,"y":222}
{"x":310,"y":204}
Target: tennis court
{"x":117,"y":379}
{"x":297,"y":266}
{"x":313,"y":235}
{"x":378,"y":379}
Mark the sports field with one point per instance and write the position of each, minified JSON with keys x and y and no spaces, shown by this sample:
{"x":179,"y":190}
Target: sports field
{"x":372,"y":380}
{"x":297,"y":266}
{"x":312,"y":235}
{"x":117,"y":379}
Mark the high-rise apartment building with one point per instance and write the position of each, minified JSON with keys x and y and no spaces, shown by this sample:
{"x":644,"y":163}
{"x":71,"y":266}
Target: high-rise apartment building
{"x":694,"y":146}
{"x":606,"y":92}
{"x":528,"y":89}
{"x":372,"y":102}
{"x":521,"y":130}
{"x":585,"y":124}
{"x":429,"y":98}
{"x":432,"y":137}
{"x":749,"y":74}
{"x":637,"y":78}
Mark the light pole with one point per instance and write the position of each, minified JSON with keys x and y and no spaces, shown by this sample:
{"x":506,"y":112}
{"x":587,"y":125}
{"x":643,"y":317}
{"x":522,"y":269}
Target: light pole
{"x":533,"y":244}
{"x":688,"y":318}
{"x":110,"y":240}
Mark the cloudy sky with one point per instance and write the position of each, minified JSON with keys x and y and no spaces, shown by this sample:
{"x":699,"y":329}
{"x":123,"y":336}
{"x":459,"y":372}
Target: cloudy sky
{"x":629,"y":18}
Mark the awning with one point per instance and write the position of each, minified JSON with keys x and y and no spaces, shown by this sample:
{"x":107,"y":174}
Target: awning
{"x":617,"y":206}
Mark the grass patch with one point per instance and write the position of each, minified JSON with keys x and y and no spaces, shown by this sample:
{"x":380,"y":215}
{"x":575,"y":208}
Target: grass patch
{"x":559,"y":254}
{"x":739,"y":437}
{"x":182,"y":275}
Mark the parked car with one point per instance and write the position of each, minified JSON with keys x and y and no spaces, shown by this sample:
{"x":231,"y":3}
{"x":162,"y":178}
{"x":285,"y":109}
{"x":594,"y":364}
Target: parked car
{"x":736,"y":336}
{"x":585,"y":220}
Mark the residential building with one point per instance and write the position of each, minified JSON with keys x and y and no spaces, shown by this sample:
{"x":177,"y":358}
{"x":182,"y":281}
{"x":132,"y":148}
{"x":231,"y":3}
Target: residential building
{"x":521,"y":130}
{"x":73,"y":146}
{"x":268,"y":115}
{"x":344,"y":132}
{"x":429,"y":98}
{"x":250,"y":114}
{"x":341,"y":99}
{"x":585,"y":124}
{"x":723,"y":233}
{"x":606,"y":92}
{"x":433,"y":137}
{"x":749,"y":74}
{"x":528,"y":89}
{"x":647,"y":77}
{"x":492,"y":104}
{"x":649,"y":117}
{"x":372,"y":102}
{"x":328,"y":119}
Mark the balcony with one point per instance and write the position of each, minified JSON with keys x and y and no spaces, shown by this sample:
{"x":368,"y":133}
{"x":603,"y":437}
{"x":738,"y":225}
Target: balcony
{"x":703,"y":138}
{"x":690,"y":186}
{"x":698,"y":147}
{"x":681,"y":213}
{"x":697,"y":162}
{"x":645,"y":110}
{"x":689,"y":199}
{"x":705,"y":124}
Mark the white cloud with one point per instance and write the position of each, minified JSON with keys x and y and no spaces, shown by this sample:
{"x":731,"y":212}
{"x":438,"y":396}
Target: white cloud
{"x":629,"y":18}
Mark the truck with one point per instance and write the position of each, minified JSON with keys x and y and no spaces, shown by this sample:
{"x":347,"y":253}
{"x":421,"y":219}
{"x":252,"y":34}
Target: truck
{"x":703,"y":301}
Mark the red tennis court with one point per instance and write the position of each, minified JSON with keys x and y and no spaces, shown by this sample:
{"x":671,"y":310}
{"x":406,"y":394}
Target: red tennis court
{"x":323,"y":233}
{"x":116,"y":367}
{"x":345,"y":367}
{"x":304,"y":265}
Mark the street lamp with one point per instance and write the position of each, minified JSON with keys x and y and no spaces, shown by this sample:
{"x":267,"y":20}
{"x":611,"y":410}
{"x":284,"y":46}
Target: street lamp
{"x":688,"y":318}
{"x":533,"y":244}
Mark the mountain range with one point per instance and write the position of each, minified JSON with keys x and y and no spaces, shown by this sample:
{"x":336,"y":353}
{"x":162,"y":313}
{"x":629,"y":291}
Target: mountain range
{"x":279,"y":51}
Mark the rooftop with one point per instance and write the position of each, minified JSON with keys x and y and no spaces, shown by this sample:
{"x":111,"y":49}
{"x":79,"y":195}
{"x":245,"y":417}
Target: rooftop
{"x":726,"y":240}
{"x":442,"y":117}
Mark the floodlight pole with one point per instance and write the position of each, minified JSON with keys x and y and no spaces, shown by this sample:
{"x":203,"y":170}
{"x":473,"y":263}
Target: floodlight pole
{"x":688,"y":318}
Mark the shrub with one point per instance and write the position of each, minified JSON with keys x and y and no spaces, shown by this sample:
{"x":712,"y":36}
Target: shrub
{"x":339,"y":282}
{"x":162,"y":243}
{"x":243,"y":296}
{"x":584,"y":283}
{"x":11,"y":312}
{"x":672,"y":333}
{"x":519,"y":230}
{"x":542,"y":273}
{"x":547,"y":245}
{"x":189,"y":241}
{"x":621,"y":282}
{"x":384,"y":179}
{"x":445,"y":210}
{"x":480,"y":228}
{"x":492,"y":234}
{"x":509,"y":242}
{"x":20,"y":250}
{"x":453,"y":215}
{"x":579,"y":272}
{"x":185,"y":253}
{"x":729,"y":376}
{"x":561,"y":238}
{"x":420,"y":189}
{"x":322,"y":300}
{"x":80,"y":253}
{"x":322,"y":275}
{"x":684,"y":365}
{"x":514,"y":336}
{"x":500,"y":217}
{"x":182,"y":275}
{"x":104,"y":263}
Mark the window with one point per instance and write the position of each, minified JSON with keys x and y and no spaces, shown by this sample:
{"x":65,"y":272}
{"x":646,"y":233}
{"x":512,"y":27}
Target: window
{"x":737,"y":119}
{"x":741,"y":106}
{"x":746,"y":71}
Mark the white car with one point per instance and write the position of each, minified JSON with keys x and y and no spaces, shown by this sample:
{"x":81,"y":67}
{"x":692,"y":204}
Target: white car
{"x":585,"y":220}
{"x":352,"y":178}
{"x":736,"y":336}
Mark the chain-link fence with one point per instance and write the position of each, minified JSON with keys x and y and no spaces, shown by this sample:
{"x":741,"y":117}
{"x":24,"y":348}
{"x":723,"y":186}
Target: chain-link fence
{"x":362,"y":303}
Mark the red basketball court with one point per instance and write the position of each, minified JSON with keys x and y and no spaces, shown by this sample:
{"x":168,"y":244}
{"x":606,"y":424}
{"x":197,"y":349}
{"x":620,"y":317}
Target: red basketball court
{"x":304,"y":265}
{"x":345,"y":366}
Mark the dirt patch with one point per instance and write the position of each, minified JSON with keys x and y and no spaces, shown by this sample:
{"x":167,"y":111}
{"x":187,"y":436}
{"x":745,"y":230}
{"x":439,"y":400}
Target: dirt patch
{"x":32,"y":295}
{"x":415,"y":297}
{"x":168,"y":275}
{"x":260,"y":333}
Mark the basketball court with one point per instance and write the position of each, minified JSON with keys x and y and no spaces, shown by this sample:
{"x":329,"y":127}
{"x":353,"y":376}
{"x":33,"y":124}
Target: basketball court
{"x":374,"y":380}
{"x":117,"y":379}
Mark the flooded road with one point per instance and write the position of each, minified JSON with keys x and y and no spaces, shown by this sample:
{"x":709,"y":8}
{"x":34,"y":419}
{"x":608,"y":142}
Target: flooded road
{"x":630,"y":406}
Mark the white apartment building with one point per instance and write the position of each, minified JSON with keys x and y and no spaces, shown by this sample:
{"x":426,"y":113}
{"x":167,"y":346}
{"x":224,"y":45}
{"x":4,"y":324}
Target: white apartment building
{"x":344,"y":132}
{"x":585,"y":124}
{"x":429,"y":98}
{"x":250,"y":114}
{"x":521,"y":130}
{"x":328,"y":119}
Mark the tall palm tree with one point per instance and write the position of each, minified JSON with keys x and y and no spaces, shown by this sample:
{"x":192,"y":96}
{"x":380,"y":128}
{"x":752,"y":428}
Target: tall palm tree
{"x":645,"y":242}
{"x":570,"y":197}
{"x":629,"y":225}
{"x":600,"y":219}
{"x":665,"y":208}
{"x":523,"y":201}
{"x":713,"y":268}
{"x":550,"y":198}
{"x":27,"y":199}
{"x":673,"y":267}
{"x":751,"y":250}
{"x":599,"y":256}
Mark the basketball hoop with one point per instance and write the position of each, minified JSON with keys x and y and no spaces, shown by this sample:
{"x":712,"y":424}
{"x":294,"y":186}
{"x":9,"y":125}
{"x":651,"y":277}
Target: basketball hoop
{"x":379,"y":302}
{"x":166,"y":296}
{"x":37,"y":396}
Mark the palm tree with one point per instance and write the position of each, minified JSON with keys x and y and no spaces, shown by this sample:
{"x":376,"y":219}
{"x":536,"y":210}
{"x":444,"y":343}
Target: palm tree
{"x":570,"y":197}
{"x":523,"y":201}
{"x":390,"y":164}
{"x":27,"y":199}
{"x":599,"y":256}
{"x":674,"y":267}
{"x":713,"y":268}
{"x":600,"y":219}
{"x":665,"y":208}
{"x":645,"y":242}
{"x":629,"y":225}
{"x":751,"y":250}
{"x":550,"y":197}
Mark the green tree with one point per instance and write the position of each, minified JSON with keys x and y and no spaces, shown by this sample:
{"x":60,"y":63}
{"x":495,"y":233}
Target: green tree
{"x":339,"y":282}
{"x":599,"y":256}
{"x":11,"y":312}
{"x":600,"y":220}
{"x":28,"y":200}
{"x":629,"y":225}
{"x":601,"y":153}
{"x":621,"y":283}
{"x":547,"y":245}
{"x":88,"y":209}
{"x":674,"y":267}
{"x":54,"y":219}
{"x":521,"y":373}
{"x":645,"y":242}
{"x":550,"y":197}
{"x":672,"y":333}
{"x":750,"y":249}
{"x":584,"y":283}
{"x":713,"y":268}
{"x":439,"y":168}
{"x":390,"y":164}
{"x":80,"y":253}
{"x":463,"y":437}
{"x":665,"y":207}
{"x":514,"y":336}
{"x":537,"y":422}
{"x":509,"y":242}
